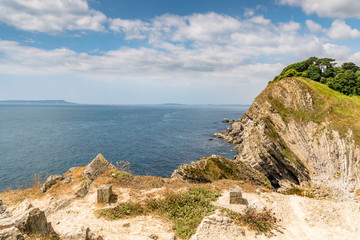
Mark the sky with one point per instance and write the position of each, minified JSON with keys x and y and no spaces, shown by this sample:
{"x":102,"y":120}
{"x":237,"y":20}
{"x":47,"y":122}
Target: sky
{"x":165,"y":51}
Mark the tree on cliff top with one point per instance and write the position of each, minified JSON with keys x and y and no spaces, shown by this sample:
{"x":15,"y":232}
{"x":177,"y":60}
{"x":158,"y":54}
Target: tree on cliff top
{"x":344,"y":79}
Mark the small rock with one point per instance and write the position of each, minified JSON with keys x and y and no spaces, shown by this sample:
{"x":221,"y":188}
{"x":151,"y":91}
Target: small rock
{"x":236,"y":195}
{"x":3,"y":212}
{"x":225,"y":120}
{"x":210,"y":139}
{"x":83,"y":191}
{"x":104,"y":193}
{"x":67,"y":179}
{"x":12,"y":233}
{"x":173,"y":237}
{"x":80,"y":233}
{"x":53,"y":179}
{"x":126,"y":225}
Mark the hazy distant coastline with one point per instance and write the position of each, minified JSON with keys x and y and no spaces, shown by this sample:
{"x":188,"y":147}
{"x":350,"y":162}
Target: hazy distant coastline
{"x":35,"y":102}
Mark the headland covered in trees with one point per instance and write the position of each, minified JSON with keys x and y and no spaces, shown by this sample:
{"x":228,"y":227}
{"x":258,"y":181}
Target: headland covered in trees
{"x":344,"y":78}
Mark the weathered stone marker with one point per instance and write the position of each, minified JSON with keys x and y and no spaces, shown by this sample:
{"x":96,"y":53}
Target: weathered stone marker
{"x":104,"y":193}
{"x":235,"y":195}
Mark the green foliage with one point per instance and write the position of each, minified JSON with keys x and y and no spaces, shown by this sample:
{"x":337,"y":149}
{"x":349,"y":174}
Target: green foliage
{"x":344,"y":79}
{"x":263,"y":221}
{"x":314,"y":72}
{"x":122,"y":175}
{"x":185,"y":209}
{"x":298,"y":191}
{"x":123,"y":210}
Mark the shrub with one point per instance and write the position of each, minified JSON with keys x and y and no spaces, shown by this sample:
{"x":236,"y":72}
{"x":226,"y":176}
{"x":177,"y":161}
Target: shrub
{"x":123,"y":210}
{"x":185,"y":209}
{"x":261,"y":221}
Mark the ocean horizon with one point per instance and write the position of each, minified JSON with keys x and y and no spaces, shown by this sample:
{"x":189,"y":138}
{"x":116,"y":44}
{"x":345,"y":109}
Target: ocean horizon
{"x":155,"y":139}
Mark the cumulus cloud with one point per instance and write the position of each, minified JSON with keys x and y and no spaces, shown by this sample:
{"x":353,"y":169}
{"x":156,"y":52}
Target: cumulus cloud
{"x":206,"y":48}
{"x":313,"y":26}
{"x":340,"y":30}
{"x":51,"y":16}
{"x":327,"y":8}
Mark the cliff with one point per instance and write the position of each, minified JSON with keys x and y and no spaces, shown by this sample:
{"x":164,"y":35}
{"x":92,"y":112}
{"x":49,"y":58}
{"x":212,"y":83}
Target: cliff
{"x":300,"y":132}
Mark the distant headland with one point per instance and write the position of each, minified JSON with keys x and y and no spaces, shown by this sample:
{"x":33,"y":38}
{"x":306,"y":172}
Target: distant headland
{"x":35,"y":102}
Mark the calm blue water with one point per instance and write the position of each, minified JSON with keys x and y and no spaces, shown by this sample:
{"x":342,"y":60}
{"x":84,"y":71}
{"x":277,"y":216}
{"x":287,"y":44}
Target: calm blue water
{"x":155,"y":139}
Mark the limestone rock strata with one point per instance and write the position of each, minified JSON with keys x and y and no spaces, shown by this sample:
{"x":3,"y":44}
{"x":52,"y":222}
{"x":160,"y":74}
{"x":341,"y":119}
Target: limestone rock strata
{"x":279,"y":136}
{"x":214,"y":168}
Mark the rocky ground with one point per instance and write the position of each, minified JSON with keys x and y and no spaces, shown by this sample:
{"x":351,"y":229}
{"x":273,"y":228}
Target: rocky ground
{"x":75,"y":217}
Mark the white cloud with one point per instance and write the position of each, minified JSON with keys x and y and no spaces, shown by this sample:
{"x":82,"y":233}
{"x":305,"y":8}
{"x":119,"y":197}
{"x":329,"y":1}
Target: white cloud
{"x":51,"y":16}
{"x":290,"y":26}
{"x":313,"y":26}
{"x":340,"y":30}
{"x":327,"y":8}
{"x":181,"y":50}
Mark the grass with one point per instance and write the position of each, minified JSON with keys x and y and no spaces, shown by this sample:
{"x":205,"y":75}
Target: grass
{"x":185,"y":209}
{"x":340,"y":110}
{"x":124,"y":210}
{"x":216,"y":168}
{"x":263,"y":221}
{"x":298,"y":191}
{"x":14,"y":196}
{"x":43,"y":237}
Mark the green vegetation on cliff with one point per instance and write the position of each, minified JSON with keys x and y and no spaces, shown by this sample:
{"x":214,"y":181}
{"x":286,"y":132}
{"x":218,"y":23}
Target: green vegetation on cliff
{"x":342,"y":111}
{"x":344,"y":79}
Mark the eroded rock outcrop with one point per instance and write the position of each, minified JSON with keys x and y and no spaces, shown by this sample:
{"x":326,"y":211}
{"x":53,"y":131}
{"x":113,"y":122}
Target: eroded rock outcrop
{"x":98,"y":166}
{"x":300,"y":132}
{"x":218,"y":227}
{"x":50,"y":181}
{"x":25,"y":219}
{"x":216,"y":167}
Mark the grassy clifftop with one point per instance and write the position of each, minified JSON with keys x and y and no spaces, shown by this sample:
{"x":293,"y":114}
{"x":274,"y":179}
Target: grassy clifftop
{"x":326,"y":104}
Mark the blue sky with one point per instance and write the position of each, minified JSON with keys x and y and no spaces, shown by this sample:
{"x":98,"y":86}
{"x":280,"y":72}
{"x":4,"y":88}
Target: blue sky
{"x":160,"y":51}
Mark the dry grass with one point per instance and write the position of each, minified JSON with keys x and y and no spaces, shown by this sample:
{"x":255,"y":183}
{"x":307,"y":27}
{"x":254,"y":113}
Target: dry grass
{"x":76,"y":173}
{"x":357,"y":193}
{"x":12,"y":197}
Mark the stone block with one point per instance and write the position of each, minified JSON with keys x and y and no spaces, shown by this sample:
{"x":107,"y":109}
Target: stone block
{"x":236,"y":196}
{"x":104,"y":193}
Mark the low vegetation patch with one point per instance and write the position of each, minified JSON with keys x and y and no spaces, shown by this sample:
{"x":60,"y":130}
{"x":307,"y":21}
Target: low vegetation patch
{"x":26,"y":190}
{"x":124,"y":210}
{"x":298,"y":191}
{"x":185,"y":209}
{"x":263,"y":221}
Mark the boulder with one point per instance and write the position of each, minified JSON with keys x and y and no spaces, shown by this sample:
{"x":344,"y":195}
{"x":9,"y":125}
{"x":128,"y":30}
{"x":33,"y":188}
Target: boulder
{"x":104,"y":193}
{"x":80,"y":233}
{"x":218,"y":227}
{"x":225,"y":120}
{"x":97,"y":167}
{"x":25,"y":219}
{"x":58,"y":205}
{"x":236,"y":196}
{"x":52,"y":180}
{"x":83,"y":191}
{"x":3,"y":212}
{"x":12,"y":233}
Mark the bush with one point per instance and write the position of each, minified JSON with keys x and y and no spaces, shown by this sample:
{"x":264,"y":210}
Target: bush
{"x":261,"y":221}
{"x":185,"y":209}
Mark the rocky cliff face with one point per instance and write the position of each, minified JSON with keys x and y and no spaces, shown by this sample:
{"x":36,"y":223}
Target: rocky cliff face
{"x":300,"y":132}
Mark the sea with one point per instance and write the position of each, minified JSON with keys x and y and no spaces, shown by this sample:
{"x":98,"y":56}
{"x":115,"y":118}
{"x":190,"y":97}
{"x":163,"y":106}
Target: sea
{"x":154,"y":139}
